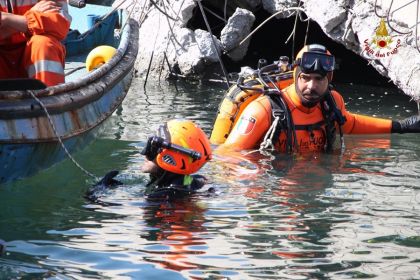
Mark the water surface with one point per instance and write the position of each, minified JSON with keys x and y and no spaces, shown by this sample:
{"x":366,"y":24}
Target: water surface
{"x":338,"y":216}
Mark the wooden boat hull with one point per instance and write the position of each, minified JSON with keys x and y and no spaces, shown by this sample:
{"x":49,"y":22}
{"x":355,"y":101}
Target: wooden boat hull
{"x":28,"y":142}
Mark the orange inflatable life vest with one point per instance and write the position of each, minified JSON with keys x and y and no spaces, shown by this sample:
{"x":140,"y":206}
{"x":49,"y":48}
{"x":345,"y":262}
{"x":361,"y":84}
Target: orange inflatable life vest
{"x":237,"y":99}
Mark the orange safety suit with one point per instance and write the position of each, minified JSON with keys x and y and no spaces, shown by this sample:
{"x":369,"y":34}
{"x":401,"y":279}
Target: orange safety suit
{"x":38,"y":53}
{"x":256,"y":119}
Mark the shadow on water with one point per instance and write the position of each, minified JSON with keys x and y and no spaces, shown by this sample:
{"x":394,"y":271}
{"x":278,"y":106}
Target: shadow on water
{"x":349,"y":215}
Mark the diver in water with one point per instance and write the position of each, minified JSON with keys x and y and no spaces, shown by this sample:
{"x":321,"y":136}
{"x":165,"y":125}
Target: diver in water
{"x":307,"y":115}
{"x":179,"y":149}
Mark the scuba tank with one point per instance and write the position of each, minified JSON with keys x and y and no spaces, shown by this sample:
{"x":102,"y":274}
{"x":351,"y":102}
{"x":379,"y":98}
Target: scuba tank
{"x":237,"y":98}
{"x":231,"y":107}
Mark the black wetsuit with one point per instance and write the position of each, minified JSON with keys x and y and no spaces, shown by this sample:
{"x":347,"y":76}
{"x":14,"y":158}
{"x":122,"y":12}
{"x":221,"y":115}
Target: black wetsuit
{"x":168,"y":185}
{"x":163,"y":186}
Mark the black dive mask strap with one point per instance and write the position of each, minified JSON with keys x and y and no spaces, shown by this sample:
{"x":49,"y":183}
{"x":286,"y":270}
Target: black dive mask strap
{"x":9,"y":7}
{"x":155,"y":144}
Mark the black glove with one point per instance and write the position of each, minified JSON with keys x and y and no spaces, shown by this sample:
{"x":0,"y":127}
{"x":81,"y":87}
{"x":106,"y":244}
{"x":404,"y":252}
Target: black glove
{"x":408,"y":125}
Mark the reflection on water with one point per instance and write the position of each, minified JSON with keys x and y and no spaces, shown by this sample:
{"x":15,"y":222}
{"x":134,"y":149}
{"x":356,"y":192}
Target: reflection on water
{"x":345,"y":215}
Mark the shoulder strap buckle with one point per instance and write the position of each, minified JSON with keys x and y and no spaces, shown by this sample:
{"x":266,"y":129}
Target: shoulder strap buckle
{"x":278,"y":113}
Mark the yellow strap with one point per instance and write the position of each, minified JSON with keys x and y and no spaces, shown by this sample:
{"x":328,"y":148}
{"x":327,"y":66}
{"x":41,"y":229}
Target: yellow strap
{"x":187,"y":180}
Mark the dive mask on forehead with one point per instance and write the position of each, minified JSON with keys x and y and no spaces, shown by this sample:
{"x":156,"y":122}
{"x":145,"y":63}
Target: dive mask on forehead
{"x":153,"y":147}
{"x":315,"y":62}
{"x":156,"y":144}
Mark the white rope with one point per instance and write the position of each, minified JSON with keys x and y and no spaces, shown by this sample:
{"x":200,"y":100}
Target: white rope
{"x":267,"y":143}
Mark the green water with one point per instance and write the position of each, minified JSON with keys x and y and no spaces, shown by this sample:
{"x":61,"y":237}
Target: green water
{"x":354,"y":215}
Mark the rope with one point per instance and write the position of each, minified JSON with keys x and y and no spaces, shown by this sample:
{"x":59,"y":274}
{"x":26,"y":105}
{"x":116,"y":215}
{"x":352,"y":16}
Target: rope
{"x":173,"y":34}
{"x":148,"y":69}
{"x":388,"y":18}
{"x":224,"y":10}
{"x":307,"y":31}
{"x":168,"y":3}
{"x":215,"y":15}
{"x":74,"y":70}
{"x":66,"y":151}
{"x":376,"y":12}
{"x":214,"y":43}
{"x":291,"y":132}
{"x":267,"y":143}
{"x":143,"y":14}
{"x":165,"y":59}
{"x":270,"y":17}
{"x":294,"y":35}
{"x":129,"y":16}
{"x":59,"y":138}
{"x":102,"y":19}
{"x":169,"y":40}
{"x":172,"y":31}
{"x":160,"y":10}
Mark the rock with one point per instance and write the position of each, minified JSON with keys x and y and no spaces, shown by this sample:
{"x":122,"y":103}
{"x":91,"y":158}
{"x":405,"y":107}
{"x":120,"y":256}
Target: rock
{"x":350,"y":23}
{"x":209,"y":49}
{"x":328,"y":14}
{"x":196,"y":50}
{"x":188,"y":53}
{"x":237,"y":28}
{"x":186,"y":8}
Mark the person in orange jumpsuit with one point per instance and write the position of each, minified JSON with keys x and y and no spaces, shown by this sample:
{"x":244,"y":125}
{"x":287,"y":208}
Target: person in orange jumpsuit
{"x":312,"y":113}
{"x":30,"y":35}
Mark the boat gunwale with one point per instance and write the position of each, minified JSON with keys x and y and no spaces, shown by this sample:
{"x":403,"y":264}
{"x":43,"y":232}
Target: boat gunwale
{"x":74,"y":99}
{"x":65,"y":97}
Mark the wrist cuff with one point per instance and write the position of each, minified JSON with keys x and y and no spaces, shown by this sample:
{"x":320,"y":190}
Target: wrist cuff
{"x":396,"y":127}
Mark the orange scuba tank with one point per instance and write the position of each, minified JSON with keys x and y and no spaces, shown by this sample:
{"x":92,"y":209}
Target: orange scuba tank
{"x":237,"y":99}
{"x":230,"y":109}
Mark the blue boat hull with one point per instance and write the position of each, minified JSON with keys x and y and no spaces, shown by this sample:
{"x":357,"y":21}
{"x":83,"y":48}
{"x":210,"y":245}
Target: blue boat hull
{"x":23,"y":160}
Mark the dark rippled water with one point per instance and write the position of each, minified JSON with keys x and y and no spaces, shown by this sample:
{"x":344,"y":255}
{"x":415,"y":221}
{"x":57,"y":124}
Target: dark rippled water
{"x":350,"y":215}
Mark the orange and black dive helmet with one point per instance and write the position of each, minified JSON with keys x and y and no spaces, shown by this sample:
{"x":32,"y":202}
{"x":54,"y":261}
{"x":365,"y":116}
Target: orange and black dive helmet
{"x":179,"y":146}
{"x":314,"y":58}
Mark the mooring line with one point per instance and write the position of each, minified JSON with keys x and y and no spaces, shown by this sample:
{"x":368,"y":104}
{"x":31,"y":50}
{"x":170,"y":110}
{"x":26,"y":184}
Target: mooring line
{"x":59,"y":138}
